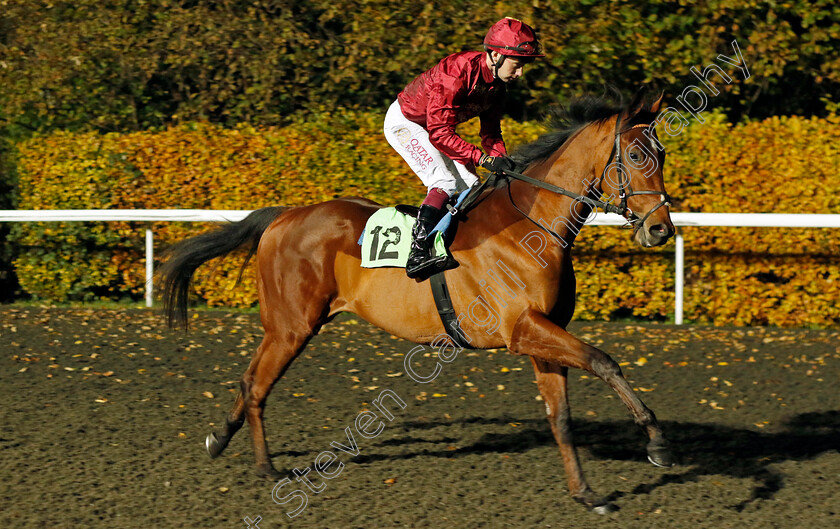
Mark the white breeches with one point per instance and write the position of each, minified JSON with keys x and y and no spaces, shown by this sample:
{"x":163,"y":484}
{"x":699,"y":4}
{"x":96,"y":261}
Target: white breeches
{"x":433,"y":167}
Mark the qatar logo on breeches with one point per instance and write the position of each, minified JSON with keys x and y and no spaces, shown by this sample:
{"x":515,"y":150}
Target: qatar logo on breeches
{"x":414,"y":148}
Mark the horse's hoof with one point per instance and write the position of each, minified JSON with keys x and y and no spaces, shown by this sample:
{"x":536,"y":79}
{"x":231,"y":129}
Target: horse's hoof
{"x":214,"y":446}
{"x":660,"y":462}
{"x":269,"y":472}
{"x":595,"y":503}
{"x":604,"y":509}
{"x":659,"y":453}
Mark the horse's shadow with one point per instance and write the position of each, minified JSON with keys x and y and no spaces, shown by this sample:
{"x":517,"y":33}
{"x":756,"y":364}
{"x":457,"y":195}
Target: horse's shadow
{"x":701,"y":449}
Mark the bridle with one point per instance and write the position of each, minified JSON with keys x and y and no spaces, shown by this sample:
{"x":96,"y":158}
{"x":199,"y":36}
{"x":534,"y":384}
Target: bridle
{"x":625,"y":190}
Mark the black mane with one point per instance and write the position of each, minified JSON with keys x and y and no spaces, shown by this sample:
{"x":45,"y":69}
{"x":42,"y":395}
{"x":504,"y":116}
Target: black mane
{"x":563,"y":123}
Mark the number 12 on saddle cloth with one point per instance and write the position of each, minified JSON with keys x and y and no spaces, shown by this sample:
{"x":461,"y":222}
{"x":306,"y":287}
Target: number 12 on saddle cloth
{"x":386,"y":240}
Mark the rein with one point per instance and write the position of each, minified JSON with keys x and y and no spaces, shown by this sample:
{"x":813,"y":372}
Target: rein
{"x":625,"y":191}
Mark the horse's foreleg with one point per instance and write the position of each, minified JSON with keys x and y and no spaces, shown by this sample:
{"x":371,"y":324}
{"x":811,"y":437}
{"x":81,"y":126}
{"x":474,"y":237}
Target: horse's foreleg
{"x":551,"y":380}
{"x":536,"y":335}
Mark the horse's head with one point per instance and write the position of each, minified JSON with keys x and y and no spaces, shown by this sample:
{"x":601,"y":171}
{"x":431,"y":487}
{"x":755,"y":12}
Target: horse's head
{"x":574,"y":156}
{"x":634,"y":174}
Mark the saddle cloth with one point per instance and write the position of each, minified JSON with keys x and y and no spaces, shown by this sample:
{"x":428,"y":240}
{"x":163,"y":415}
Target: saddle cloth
{"x":386,"y":240}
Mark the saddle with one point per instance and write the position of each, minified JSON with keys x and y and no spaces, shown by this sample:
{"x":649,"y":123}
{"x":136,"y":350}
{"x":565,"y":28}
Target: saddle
{"x":408,"y":209}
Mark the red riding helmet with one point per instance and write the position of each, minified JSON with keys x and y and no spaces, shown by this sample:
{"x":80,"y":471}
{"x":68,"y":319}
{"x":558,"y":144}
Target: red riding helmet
{"x":513,"y":38}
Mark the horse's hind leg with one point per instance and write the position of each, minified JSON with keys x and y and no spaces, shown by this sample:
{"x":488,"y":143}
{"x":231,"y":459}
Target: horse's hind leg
{"x":551,"y":380}
{"x":216,"y":442}
{"x":273,"y":358}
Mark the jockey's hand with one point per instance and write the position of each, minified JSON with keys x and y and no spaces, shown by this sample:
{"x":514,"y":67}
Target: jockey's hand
{"x":496,"y":164}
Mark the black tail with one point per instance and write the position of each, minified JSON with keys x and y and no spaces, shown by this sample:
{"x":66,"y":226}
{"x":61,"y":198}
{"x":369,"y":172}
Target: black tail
{"x":186,"y":256}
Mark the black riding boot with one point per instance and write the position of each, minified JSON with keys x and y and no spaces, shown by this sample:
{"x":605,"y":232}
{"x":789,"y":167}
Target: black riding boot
{"x":421,"y":263}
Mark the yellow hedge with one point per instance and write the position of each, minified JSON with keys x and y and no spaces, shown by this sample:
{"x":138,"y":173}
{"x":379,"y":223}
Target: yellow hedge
{"x":735,"y":276}
{"x":194,"y":166}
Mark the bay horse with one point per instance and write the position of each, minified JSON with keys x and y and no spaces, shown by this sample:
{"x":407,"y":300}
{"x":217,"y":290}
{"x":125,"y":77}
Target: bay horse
{"x":308,"y":270}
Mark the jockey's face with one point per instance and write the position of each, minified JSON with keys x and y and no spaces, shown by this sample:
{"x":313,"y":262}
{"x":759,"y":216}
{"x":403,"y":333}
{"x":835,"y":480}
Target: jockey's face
{"x":511,"y":68}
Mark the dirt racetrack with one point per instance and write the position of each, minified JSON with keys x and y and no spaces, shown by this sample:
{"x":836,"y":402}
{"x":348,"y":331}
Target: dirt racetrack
{"x":105,"y":412}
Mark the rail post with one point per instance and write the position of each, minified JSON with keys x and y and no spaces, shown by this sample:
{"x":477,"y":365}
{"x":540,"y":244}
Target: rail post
{"x":150,"y":266}
{"x":679,"y":263}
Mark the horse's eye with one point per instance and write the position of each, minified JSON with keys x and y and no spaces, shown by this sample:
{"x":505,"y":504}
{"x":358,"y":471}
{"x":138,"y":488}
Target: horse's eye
{"x":635,"y":156}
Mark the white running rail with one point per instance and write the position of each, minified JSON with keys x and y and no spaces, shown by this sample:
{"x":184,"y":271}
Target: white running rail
{"x":763,"y":220}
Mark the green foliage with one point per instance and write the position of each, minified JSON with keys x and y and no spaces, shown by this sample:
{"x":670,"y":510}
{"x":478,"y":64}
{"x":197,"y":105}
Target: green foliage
{"x":126,"y":65}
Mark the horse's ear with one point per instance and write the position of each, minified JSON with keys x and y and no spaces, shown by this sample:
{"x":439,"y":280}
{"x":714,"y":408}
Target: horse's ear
{"x":658,"y":103}
{"x":638,"y":102}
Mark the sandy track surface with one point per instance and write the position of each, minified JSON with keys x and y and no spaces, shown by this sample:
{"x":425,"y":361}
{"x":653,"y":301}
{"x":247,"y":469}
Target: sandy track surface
{"x":105,"y":412}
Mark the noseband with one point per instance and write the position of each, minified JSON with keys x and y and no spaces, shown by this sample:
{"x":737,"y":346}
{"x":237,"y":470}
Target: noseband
{"x":624,"y":192}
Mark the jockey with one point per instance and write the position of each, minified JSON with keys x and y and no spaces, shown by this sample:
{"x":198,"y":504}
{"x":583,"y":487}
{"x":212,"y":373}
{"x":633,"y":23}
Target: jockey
{"x":420,"y":126}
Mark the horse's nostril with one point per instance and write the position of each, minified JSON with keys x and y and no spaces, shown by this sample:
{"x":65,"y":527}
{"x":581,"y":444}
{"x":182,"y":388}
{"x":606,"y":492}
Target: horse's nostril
{"x":660,"y":230}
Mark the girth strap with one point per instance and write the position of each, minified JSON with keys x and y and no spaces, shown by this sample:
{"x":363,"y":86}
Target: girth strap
{"x":447,"y":312}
